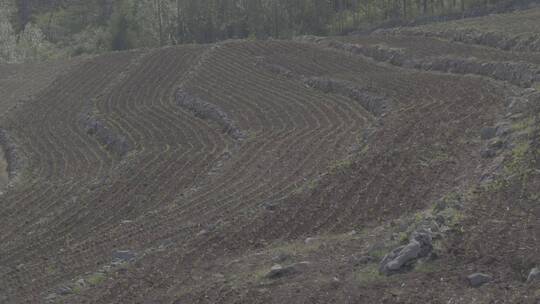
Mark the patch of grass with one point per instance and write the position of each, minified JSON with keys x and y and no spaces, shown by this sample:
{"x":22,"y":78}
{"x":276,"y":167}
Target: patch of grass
{"x":76,"y":289}
{"x":369,"y":274}
{"x":524,"y":125}
{"x":378,"y":253}
{"x":96,"y":278}
{"x":403,"y":237}
{"x":309,"y":185}
{"x":433,"y":155}
{"x":295,"y":248}
{"x":426,"y":267}
{"x":340,"y":166}
{"x":518,"y":163}
{"x":50,"y":270}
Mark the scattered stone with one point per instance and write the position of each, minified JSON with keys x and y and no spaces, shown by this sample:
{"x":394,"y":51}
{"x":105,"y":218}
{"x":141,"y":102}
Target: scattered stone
{"x":440,"y":220}
{"x":209,"y":111}
{"x":124,"y":255}
{"x":373,"y":102}
{"x":269,"y":205}
{"x":310,"y":240}
{"x":488,"y":153}
{"x":219,"y":276}
{"x":478,"y":279}
{"x":496,"y":143}
{"x":278,"y":271}
{"x":403,"y":257}
{"x":534,"y":275}
{"x":81,"y":283}
{"x":487,"y":133}
{"x":518,"y":104}
{"x":64,"y":290}
{"x":112,"y":140}
{"x":503,"y":129}
{"x":51,"y":297}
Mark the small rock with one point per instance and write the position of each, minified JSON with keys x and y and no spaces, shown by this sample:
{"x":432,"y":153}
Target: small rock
{"x":440,"y":219}
{"x":277,"y":271}
{"x":488,"y":153}
{"x":478,"y":279}
{"x":488,"y":133}
{"x":202,"y":232}
{"x":310,"y":240}
{"x":503,"y":129}
{"x":81,"y":283}
{"x":51,"y":297}
{"x":496,"y":144}
{"x":534,"y":275}
{"x":518,"y":104}
{"x":270,"y":206}
{"x":124,"y":255}
{"x":218,"y":276}
{"x":64,"y":290}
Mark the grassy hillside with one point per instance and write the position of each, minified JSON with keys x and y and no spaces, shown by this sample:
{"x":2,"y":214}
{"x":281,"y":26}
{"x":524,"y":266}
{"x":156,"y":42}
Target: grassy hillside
{"x":276,"y":172}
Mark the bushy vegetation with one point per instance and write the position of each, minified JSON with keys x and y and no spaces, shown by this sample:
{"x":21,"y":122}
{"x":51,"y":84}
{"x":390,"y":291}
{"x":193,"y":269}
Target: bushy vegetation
{"x":32,"y":29}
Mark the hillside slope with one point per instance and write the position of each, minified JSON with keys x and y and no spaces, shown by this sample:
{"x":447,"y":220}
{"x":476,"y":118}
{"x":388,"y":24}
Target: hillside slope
{"x":274,"y":172}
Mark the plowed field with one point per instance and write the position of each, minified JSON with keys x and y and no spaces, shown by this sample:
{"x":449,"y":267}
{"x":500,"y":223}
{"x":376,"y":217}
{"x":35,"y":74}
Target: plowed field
{"x":182,"y":174}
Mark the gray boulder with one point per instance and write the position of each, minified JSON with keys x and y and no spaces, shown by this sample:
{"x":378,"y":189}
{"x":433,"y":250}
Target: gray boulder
{"x":478,"y":279}
{"x":488,"y":133}
{"x":403,"y":257}
{"x":534,"y":275}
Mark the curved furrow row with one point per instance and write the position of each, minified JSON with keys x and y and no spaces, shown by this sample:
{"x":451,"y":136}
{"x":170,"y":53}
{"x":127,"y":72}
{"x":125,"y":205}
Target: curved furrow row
{"x":47,"y":176}
{"x":269,"y":192}
{"x":202,"y":163}
{"x":151,"y":178}
{"x":82,"y":90}
{"x":163,"y":161}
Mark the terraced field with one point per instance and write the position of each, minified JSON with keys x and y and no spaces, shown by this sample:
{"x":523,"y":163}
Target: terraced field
{"x":183,"y":174}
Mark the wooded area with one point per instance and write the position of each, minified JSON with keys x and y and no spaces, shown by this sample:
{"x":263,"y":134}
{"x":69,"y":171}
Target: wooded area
{"x":90,"y":26}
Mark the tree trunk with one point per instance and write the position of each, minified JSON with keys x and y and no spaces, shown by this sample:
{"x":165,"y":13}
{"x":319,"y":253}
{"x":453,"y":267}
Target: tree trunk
{"x":160,"y":21}
{"x":404,"y":3}
{"x":24,"y":11}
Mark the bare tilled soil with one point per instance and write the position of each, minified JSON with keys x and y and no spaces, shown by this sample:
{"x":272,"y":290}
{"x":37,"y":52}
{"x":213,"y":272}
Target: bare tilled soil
{"x":308,"y":171}
{"x":516,"y":31}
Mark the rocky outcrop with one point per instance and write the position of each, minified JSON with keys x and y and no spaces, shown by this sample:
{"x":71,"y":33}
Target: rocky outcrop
{"x":369,"y":100}
{"x":518,"y":73}
{"x":373,"y":103}
{"x":113,"y":142}
{"x":205,"y":110}
{"x":403,"y":258}
{"x":12,"y":155}
{"x":534,"y":275}
{"x":525,"y":42}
